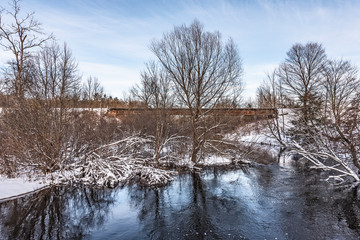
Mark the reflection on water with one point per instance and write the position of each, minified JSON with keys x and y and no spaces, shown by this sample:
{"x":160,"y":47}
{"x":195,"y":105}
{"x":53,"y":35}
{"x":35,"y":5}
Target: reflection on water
{"x":268,"y":202}
{"x":55,"y":213}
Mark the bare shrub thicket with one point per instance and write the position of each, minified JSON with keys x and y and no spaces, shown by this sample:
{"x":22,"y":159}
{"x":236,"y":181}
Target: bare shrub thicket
{"x":45,"y":131}
{"x":36,"y":137}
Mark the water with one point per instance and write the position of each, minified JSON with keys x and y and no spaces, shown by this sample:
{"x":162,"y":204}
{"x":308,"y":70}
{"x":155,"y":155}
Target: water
{"x":269,"y":202}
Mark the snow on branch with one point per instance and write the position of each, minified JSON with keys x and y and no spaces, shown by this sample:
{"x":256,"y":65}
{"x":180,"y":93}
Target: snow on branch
{"x":118,"y":162}
{"x":318,"y":159}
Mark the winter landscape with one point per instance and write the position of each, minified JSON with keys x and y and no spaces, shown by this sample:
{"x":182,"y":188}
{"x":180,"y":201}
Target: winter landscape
{"x":192,"y":146}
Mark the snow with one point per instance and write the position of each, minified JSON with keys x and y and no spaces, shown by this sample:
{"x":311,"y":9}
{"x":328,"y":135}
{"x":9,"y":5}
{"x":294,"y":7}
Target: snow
{"x":14,"y":187}
{"x":214,"y":160}
{"x":96,"y":110}
{"x":258,"y":137}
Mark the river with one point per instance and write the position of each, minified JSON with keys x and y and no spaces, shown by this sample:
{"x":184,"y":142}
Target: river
{"x":267,"y":202}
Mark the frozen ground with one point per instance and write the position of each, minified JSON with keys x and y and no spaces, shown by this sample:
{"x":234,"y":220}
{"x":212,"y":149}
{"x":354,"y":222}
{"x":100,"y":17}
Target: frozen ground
{"x":14,"y":187}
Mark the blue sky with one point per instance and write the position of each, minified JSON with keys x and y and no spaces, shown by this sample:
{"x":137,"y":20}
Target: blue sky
{"x":110,"y":39}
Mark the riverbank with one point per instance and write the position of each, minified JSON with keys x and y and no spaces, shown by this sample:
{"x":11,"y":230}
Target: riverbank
{"x":11,"y":188}
{"x":16,"y":187}
{"x":275,"y":201}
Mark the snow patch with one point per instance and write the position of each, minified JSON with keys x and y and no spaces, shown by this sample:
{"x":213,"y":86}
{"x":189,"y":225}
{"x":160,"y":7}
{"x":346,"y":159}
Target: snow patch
{"x":214,"y":160}
{"x":12,"y":187}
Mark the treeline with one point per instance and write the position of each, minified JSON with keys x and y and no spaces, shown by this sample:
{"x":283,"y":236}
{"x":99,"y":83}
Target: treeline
{"x":104,"y":102}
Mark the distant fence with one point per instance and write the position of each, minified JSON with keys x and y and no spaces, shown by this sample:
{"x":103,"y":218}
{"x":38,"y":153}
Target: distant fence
{"x":248,"y":112}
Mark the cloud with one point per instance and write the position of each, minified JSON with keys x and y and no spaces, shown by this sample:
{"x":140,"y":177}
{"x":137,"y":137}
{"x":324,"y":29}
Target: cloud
{"x":111,"y":38}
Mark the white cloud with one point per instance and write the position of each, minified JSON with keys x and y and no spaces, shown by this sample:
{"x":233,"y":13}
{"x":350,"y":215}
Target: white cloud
{"x":110,"y":39}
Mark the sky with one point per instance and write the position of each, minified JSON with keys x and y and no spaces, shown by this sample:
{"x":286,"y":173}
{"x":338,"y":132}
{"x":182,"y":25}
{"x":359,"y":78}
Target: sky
{"x":110,"y":38}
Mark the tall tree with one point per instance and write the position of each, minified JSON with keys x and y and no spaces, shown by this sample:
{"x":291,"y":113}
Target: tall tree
{"x":327,"y":91}
{"x":341,"y":83}
{"x":155,"y":88}
{"x":55,"y":73}
{"x":155,"y":92}
{"x":300,"y":75}
{"x":20,"y":36}
{"x":203,"y":70}
{"x":336,"y":146}
{"x":270,"y":95}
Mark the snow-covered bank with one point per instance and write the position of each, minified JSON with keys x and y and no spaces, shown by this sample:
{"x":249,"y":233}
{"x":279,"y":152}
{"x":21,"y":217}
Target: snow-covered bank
{"x":16,"y":187}
{"x":107,"y":174}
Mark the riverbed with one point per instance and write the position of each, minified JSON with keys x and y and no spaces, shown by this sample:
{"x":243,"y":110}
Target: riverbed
{"x":266,"y":202}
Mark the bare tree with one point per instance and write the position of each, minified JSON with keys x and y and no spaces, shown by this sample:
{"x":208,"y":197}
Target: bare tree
{"x":341,"y":83}
{"x":47,"y":71}
{"x":300,"y":75}
{"x":92,"y":90}
{"x":326,"y":129}
{"x":333,"y":145}
{"x":20,"y":36}
{"x":155,"y":89}
{"x":155,"y":92}
{"x":56,"y":73}
{"x":69,"y":79}
{"x":203,"y":71}
{"x":270,"y":95}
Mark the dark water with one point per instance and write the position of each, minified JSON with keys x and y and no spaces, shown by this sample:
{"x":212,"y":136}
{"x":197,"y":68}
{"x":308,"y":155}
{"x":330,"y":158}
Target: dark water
{"x":269,"y":202}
